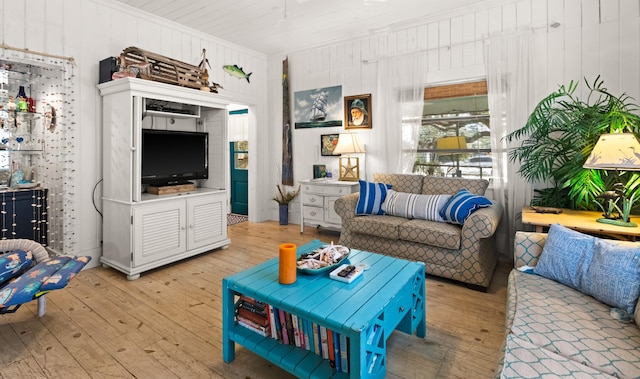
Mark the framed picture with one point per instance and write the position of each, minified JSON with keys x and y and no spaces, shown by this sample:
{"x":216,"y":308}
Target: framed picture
{"x":317,"y":108}
{"x":328,"y":143}
{"x":357,"y":112}
{"x":319,"y":171}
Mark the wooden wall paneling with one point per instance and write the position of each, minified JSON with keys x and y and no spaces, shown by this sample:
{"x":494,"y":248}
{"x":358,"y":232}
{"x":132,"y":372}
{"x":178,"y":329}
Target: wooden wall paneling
{"x":629,"y":10}
{"x":434,"y":52}
{"x":108,"y":47}
{"x":469,"y":48}
{"x":573,"y":41}
{"x":539,"y":15}
{"x":444,"y":43}
{"x":590,"y":12}
{"x":216,"y":58}
{"x":481,"y":33}
{"x":412,"y":39}
{"x":555,"y":69}
{"x":481,"y":24}
{"x":572,"y":55}
{"x":523,"y":13}
{"x":34,"y":25}
{"x":573,"y":14}
{"x":555,"y":11}
{"x":630,"y":55}
{"x":469,"y":28}
{"x":337,"y":64}
{"x":590,"y":57}
{"x":118,"y":36}
{"x":422,"y":39}
{"x":3,"y":15}
{"x":382,"y":45}
{"x":609,"y":11}
{"x":509,"y":17}
{"x":14,"y":28}
{"x":54,"y":32}
{"x":495,"y":20}
{"x":610,"y":56}
{"x":368,"y":72}
{"x":230,"y":58}
{"x":395,"y":43}
{"x":148,"y":37}
{"x":538,"y":68}
{"x":457,"y":48}
{"x":325,"y":68}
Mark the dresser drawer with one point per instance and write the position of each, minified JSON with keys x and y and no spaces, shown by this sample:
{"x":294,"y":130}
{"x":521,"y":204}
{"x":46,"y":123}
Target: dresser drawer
{"x":312,"y":199}
{"x":336,"y":190}
{"x":313,"y":213}
{"x":397,"y":308}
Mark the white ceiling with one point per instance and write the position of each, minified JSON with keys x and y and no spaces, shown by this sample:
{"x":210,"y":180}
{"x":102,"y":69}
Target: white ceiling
{"x":274,"y":26}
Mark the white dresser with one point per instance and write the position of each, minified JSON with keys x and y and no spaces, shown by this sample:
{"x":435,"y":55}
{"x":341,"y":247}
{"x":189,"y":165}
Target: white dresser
{"x":317,"y":199}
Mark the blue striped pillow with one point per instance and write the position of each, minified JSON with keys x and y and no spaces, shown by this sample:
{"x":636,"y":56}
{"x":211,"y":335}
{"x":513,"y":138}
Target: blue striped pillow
{"x":414,"y":205}
{"x":462,"y":205}
{"x":372,"y":196}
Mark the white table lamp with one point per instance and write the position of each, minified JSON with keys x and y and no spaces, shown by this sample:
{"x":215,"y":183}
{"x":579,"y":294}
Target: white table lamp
{"x":349,"y":143}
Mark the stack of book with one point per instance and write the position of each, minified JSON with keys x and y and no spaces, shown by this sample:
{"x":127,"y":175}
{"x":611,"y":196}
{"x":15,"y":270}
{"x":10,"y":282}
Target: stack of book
{"x":290,"y":329}
{"x":253,"y":315}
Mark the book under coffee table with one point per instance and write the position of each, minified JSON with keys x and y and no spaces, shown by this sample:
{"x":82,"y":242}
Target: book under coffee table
{"x":389,"y":296}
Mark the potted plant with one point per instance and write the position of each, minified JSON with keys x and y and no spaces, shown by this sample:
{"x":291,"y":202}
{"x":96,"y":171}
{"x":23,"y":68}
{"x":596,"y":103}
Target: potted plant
{"x":559,"y":136}
{"x":283,"y":197}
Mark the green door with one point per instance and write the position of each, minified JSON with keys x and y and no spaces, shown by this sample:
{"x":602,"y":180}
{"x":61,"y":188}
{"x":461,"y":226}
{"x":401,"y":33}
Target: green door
{"x":239,"y":151}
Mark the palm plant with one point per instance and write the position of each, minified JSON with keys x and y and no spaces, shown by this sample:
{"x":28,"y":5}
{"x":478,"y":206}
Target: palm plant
{"x":559,"y":136}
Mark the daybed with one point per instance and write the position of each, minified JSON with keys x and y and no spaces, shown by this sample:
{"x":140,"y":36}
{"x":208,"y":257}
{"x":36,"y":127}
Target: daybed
{"x":554,"y":330}
{"x":464,"y":252}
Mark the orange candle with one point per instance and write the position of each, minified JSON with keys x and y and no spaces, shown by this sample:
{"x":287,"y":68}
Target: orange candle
{"x":287,"y":264}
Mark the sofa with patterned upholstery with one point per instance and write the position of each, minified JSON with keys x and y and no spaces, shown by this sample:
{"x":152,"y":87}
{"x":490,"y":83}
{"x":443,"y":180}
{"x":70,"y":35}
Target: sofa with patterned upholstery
{"x":463,"y":252}
{"x":586,"y":328}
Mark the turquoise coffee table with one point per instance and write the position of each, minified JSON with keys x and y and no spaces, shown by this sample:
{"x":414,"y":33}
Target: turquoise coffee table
{"x":390,"y":295}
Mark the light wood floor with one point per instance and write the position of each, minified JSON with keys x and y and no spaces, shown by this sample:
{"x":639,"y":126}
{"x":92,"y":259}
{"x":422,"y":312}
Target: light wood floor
{"x":167,"y":324}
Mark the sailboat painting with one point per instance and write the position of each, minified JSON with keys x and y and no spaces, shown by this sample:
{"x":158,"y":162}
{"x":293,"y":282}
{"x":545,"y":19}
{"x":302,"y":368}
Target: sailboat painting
{"x":318,"y":108}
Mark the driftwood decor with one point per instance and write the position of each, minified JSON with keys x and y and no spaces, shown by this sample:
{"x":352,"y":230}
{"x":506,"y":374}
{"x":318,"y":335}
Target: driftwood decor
{"x":163,"y":69}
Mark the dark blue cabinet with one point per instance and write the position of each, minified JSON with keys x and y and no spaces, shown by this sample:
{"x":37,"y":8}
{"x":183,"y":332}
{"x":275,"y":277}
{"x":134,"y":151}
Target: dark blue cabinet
{"x":23,"y":214}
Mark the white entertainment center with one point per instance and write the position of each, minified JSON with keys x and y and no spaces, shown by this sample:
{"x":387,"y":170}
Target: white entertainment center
{"x":143,"y":231}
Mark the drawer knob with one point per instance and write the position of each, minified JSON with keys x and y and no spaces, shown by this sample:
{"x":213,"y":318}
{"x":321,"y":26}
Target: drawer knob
{"x":313,"y":200}
{"x":313,"y":213}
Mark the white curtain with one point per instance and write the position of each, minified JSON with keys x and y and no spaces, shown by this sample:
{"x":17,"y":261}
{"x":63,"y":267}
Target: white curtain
{"x":238,"y":127}
{"x":510,"y":83}
{"x":400,"y":93}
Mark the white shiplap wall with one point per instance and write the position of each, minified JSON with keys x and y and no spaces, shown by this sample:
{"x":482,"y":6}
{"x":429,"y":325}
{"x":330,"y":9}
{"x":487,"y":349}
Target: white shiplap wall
{"x":595,"y":37}
{"x":91,"y":30}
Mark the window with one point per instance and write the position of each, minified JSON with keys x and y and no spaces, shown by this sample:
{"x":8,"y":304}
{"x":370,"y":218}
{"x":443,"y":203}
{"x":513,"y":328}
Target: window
{"x":455,"y":132}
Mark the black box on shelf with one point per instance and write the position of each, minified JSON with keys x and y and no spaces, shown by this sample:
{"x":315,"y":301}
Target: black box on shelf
{"x":107,"y":67}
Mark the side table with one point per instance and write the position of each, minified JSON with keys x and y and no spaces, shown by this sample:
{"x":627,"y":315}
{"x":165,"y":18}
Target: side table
{"x":583,"y":221}
{"x":317,"y":199}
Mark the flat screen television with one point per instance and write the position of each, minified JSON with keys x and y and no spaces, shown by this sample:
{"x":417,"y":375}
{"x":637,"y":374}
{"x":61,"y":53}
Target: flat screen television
{"x":173,"y":157}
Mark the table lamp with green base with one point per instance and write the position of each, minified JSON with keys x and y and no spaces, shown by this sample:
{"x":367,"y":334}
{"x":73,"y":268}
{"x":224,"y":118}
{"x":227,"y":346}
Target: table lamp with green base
{"x":618,"y":151}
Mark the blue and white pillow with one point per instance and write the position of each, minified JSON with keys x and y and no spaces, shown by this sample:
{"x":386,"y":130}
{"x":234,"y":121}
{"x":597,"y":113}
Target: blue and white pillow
{"x":613,"y":276}
{"x":13,"y":263}
{"x":372,"y":196}
{"x":413,"y":205}
{"x":566,"y":256}
{"x":462,"y":205}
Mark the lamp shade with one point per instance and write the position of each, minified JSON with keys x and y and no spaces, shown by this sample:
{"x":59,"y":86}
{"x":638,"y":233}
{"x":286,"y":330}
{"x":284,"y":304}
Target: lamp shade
{"x":620,"y":151}
{"x":452,"y":144}
{"x":348,"y":143}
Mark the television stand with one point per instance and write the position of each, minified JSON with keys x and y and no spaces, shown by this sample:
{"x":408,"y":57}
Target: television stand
{"x":171,"y":188}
